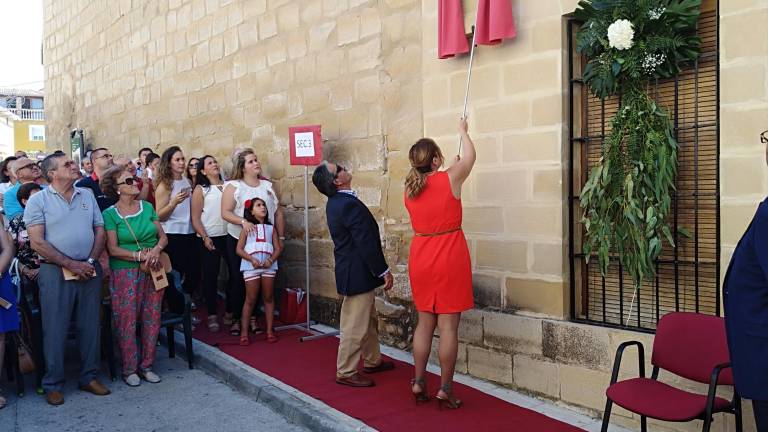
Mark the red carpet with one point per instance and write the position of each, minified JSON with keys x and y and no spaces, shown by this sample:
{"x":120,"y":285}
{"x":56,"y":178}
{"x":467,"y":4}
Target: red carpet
{"x":311,"y":367}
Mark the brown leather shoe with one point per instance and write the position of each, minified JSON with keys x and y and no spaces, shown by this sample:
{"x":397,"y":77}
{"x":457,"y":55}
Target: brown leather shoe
{"x":383,"y":365}
{"x":96,"y":388}
{"x":54,"y":398}
{"x":355,"y":381}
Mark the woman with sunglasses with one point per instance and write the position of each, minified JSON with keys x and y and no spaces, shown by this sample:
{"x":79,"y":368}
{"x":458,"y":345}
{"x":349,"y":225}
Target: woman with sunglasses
{"x":192,"y":171}
{"x":134,"y":235}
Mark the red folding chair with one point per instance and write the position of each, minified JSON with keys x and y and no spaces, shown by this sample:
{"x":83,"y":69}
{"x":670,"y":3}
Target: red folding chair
{"x":689,"y":345}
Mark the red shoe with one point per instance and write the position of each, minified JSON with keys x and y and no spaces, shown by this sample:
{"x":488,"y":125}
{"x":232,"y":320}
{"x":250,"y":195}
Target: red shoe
{"x":271,"y":338}
{"x":244,"y":341}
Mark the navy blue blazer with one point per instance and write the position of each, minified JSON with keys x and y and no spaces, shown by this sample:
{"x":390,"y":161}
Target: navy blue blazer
{"x":357,"y":245}
{"x":745,"y":290}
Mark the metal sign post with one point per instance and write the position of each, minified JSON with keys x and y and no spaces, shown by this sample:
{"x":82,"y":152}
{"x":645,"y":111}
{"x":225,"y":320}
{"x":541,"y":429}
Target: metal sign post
{"x":306,"y":149}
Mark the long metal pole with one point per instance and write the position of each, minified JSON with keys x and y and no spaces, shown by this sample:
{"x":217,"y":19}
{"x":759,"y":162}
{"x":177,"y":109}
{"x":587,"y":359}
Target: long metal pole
{"x":306,"y":235}
{"x":469,"y":76}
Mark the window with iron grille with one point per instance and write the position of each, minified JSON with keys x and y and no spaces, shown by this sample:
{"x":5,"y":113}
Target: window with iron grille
{"x":687,"y":277}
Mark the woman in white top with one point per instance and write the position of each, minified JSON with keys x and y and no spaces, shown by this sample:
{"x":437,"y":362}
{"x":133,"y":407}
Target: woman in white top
{"x":174,"y":209}
{"x":212,"y":230}
{"x":246,"y":183}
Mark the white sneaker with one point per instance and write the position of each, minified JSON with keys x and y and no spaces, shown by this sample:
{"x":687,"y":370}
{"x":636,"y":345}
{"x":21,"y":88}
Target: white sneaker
{"x":132,"y":380}
{"x":150,"y":376}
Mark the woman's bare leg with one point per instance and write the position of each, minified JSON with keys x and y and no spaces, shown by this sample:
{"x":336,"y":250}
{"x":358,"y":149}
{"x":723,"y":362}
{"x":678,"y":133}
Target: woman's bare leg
{"x":422,"y":345}
{"x":449,"y":346}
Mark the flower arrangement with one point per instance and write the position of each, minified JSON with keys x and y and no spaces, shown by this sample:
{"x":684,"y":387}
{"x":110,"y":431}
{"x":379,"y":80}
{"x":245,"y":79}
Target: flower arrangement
{"x":627,"y":197}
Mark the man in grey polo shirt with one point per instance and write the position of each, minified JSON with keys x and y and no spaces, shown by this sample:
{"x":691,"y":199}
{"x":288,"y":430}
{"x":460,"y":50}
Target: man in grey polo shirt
{"x":66,"y":229}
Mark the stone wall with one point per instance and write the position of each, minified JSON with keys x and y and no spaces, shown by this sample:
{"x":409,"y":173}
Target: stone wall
{"x":214,"y":75}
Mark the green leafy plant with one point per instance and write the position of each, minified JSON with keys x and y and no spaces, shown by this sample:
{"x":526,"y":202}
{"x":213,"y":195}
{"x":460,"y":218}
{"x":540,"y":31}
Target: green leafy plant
{"x":627,"y":198}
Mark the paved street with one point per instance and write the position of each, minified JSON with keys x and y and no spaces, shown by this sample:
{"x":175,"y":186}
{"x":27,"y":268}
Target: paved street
{"x":186,"y":400}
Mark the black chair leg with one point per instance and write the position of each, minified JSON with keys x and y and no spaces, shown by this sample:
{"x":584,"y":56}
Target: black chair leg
{"x":707,"y":424}
{"x":737,"y":412}
{"x":171,"y":343}
{"x":12,"y":363}
{"x":188,"y":339}
{"x":108,"y":341}
{"x":643,"y":424}
{"x":37,"y":351}
{"x":606,"y":415}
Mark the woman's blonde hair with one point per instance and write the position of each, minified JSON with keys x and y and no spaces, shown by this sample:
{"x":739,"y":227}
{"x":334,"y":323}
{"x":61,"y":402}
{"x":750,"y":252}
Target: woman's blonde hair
{"x":239,"y":169}
{"x":421,"y":155}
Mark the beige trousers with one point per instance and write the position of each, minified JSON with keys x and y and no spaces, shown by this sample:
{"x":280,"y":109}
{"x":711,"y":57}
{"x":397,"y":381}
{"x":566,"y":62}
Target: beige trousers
{"x":359,"y":334}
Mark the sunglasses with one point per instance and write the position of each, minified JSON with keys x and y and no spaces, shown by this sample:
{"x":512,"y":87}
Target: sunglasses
{"x":129,"y":181}
{"x":763,"y":138}
{"x":339,"y":168}
{"x":29,"y":165}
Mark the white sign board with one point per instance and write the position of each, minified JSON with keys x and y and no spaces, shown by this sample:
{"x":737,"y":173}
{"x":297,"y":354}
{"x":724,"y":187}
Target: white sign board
{"x":305,"y":144}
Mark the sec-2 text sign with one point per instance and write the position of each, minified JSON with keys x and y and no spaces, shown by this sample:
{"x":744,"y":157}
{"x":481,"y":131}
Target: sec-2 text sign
{"x":306,"y":145}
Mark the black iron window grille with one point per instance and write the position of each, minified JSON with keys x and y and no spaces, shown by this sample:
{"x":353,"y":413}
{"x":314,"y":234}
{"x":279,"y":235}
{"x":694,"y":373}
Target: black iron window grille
{"x":687,"y":277}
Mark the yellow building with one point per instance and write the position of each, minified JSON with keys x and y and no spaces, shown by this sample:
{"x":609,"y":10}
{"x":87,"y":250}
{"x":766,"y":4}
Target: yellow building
{"x":29,"y":129}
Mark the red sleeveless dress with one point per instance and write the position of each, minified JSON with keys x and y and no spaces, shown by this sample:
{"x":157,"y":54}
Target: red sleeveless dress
{"x":438,"y":265}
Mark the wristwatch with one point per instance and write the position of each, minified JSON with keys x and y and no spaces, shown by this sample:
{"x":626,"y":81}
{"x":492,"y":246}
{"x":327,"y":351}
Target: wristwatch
{"x":90,"y":260}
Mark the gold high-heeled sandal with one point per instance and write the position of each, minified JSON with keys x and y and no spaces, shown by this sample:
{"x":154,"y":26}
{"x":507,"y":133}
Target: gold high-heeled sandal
{"x":422,"y":396}
{"x":448,"y":401}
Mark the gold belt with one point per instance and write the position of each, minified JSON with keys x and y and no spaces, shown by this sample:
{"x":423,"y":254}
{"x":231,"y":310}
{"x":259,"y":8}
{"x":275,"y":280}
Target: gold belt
{"x":437,"y":233}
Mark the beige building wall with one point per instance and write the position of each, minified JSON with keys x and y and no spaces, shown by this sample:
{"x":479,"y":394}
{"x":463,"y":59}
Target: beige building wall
{"x":214,"y":75}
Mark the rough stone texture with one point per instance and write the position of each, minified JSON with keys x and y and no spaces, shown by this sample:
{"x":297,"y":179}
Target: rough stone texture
{"x":513,"y":333}
{"x":537,"y":375}
{"x":489,"y":364}
{"x":486,"y":289}
{"x":576,"y":344}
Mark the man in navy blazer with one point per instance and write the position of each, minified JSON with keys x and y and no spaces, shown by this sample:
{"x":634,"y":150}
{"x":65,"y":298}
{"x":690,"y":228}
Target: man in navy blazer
{"x":745,"y":290}
{"x":360,"y":269}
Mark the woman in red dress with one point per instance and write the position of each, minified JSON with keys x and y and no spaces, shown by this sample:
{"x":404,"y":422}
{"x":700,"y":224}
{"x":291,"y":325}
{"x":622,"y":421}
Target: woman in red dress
{"x":439,"y":266}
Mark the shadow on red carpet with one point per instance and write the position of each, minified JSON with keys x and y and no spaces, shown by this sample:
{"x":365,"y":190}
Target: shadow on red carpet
{"x":311,"y":368}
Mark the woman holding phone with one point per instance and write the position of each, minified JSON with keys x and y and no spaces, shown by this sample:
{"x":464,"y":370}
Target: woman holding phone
{"x":173,"y":198}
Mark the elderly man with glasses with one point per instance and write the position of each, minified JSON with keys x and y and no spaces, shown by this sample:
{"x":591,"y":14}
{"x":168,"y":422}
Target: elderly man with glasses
{"x":26,"y":171}
{"x":102,"y":160}
{"x":66,"y":229}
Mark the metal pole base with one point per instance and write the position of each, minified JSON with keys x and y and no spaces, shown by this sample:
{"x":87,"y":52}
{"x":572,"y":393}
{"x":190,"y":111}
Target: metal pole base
{"x":307,"y":327}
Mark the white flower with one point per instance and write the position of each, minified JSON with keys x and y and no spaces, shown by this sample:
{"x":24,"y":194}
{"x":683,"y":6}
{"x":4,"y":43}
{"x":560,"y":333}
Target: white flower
{"x":652,"y":61}
{"x":655,"y":14}
{"x":620,"y":34}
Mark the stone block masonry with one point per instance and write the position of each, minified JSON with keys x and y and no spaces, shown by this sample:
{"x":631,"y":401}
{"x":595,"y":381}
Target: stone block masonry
{"x":215,"y":75}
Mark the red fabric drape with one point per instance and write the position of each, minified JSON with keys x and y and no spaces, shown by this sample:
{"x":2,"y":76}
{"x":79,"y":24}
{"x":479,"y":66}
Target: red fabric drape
{"x":451,"y":39}
{"x":494,"y":22}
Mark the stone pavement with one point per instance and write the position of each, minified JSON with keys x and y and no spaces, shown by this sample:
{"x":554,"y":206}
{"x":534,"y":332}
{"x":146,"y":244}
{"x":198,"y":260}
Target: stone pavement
{"x":186,"y":400}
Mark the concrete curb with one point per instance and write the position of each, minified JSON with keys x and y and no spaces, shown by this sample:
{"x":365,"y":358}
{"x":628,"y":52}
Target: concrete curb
{"x":281,"y":398}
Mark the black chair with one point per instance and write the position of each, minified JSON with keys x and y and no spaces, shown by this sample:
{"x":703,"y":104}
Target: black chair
{"x":170,"y":319}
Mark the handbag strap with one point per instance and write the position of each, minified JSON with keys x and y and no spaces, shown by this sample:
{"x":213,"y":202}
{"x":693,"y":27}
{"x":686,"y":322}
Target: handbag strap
{"x":128,"y":224}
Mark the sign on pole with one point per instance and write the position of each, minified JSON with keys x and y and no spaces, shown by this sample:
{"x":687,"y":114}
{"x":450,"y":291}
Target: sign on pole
{"x":306,"y":145}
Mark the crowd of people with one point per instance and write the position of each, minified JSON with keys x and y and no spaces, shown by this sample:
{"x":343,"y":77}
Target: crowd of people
{"x":76,"y":232}
{"x":113,"y":221}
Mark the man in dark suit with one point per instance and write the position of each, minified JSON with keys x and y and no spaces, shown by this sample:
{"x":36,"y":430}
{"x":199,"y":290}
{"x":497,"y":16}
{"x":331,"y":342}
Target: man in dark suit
{"x":745,"y":291}
{"x":360,"y":269}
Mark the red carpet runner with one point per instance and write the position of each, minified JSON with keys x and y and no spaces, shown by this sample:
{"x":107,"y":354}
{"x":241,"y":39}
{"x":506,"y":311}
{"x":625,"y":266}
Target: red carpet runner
{"x":311,"y":368}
